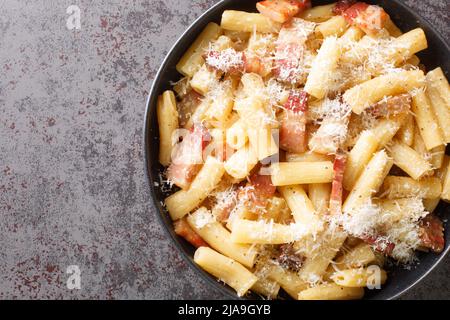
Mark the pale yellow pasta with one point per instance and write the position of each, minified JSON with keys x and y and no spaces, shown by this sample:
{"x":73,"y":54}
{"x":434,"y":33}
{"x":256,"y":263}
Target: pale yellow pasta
{"x":184,"y":201}
{"x":358,"y":53}
{"x":407,"y":159}
{"x":419,"y":144}
{"x":248,"y":231}
{"x":199,"y":114}
{"x":409,"y":44}
{"x":393,"y":30}
{"x":441,"y":174}
{"x":386,"y":129}
{"x":359,"y":157}
{"x":309,"y":156}
{"x":335,"y":26}
{"x":237,"y":36}
{"x":192,"y":60}
{"x":219,"y":238}
{"x":395,"y":210}
{"x":167,"y":122}
{"x":403,"y":187}
{"x":289,"y":173}
{"x":437,"y":86}
{"x":352,"y":34}
{"x":406,"y":132}
{"x":301,"y":207}
{"x":324,"y":64}
{"x":252,"y":112}
{"x":228,"y":270}
{"x":426,"y":121}
{"x":431,"y":204}
{"x":414,"y":61}
{"x":358,"y":278}
{"x":236,"y":135}
{"x":277,"y":210}
{"x":437,"y":156}
{"x":318,"y":13}
{"x":442,"y":171}
{"x":182,"y":87}
{"x":241,"y":162}
{"x":262,"y":142}
{"x":267,"y":288}
{"x":368,"y":93}
{"x":403,"y":48}
{"x":319,"y":193}
{"x":252,"y":84}
{"x":440,"y":83}
{"x":248,"y":22}
{"x":288,"y":280}
{"x":317,"y":261}
{"x":369,"y":181}
{"x":261,"y":44}
{"x":240,"y":213}
{"x":359,"y":256}
{"x":204,"y":79}
{"x":446,"y":186}
{"x":222,"y":102}
{"x":215,"y":147}
{"x":331,"y":291}
{"x":222,"y":43}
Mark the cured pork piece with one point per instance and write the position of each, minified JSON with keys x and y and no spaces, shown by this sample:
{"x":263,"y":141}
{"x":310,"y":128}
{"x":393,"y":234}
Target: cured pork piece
{"x":432,"y":233}
{"x":187,"y":158}
{"x":336,"y":186}
{"x":293,"y":137}
{"x":282,"y":10}
{"x":292,"y":58}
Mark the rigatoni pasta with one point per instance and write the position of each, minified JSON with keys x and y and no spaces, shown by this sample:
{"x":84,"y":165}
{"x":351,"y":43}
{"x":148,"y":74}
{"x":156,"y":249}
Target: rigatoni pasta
{"x":362,"y":96}
{"x":304,"y":147}
{"x":226,"y":269}
{"x":289,"y":173}
{"x":168,"y":119}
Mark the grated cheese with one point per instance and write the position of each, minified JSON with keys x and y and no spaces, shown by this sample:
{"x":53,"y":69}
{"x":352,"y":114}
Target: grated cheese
{"x":204,"y":217}
{"x":225,"y":60}
{"x":333,"y":126}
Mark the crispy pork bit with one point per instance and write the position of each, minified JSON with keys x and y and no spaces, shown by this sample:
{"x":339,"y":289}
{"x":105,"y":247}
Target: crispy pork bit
{"x":183,"y":229}
{"x":187,"y":157}
{"x":336,"y":188}
{"x":297,"y":102}
{"x":187,"y":106}
{"x":342,"y":6}
{"x":291,"y":55}
{"x":262,"y":184}
{"x":293,"y":137}
{"x":254,"y":64}
{"x":258,"y":190}
{"x":370,"y":18}
{"x":282,"y":10}
{"x":380,"y":244}
{"x":288,"y":258}
{"x":432,"y":233}
{"x":391,"y":106}
{"x":223,"y":210}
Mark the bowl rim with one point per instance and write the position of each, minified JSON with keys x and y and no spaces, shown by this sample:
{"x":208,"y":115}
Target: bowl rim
{"x":150,"y":179}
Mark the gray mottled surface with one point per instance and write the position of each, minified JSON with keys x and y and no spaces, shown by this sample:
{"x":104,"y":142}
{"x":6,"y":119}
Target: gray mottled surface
{"x":72,"y":185}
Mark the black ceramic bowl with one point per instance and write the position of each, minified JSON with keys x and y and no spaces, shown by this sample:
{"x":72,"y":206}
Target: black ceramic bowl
{"x":400,"y":280}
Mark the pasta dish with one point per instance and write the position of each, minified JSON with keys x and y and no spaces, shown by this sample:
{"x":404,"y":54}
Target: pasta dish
{"x":304,"y":148}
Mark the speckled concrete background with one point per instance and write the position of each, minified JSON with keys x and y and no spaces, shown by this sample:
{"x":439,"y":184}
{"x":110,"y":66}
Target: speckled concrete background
{"x":72,"y":185}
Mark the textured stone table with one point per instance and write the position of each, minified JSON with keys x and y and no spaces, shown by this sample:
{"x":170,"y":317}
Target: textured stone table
{"x":72,"y":185}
